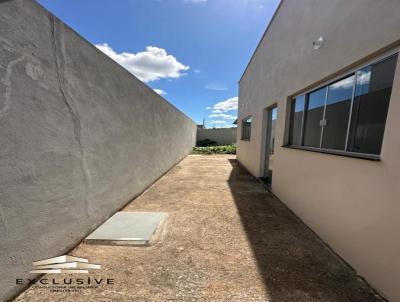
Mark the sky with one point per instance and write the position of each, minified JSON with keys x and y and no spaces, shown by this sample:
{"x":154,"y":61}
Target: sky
{"x":192,"y":52}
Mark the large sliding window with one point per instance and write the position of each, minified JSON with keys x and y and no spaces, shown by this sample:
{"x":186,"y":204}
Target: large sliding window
{"x":348,"y":115}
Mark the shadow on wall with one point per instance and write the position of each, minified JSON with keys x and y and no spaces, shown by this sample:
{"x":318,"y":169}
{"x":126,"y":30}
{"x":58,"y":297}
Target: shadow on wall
{"x":294,"y":263}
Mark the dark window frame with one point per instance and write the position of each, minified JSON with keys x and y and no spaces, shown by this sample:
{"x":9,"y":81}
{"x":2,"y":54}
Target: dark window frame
{"x":246,"y":128}
{"x":326,"y":85}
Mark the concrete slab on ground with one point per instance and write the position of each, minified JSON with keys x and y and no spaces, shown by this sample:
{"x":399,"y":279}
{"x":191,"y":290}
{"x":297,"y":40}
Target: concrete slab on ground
{"x":126,"y":228}
{"x":227,"y":239}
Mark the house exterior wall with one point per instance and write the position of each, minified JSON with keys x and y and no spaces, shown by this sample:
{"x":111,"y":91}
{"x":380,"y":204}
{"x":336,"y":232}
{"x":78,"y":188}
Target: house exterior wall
{"x":80,"y":137}
{"x":352,"y":204}
{"x":223,"y":136}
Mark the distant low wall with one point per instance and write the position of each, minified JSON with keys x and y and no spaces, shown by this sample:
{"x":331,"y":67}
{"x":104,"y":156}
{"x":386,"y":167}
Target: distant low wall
{"x":223,"y":136}
{"x":79,"y":135}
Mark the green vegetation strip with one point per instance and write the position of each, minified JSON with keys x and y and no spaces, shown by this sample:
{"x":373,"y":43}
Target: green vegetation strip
{"x":229,"y":149}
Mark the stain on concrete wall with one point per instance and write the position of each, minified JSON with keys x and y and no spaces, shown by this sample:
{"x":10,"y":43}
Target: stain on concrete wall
{"x":79,"y":135}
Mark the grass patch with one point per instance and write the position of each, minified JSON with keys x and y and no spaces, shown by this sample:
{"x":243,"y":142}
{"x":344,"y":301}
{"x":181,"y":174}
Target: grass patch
{"x":228,"y":149}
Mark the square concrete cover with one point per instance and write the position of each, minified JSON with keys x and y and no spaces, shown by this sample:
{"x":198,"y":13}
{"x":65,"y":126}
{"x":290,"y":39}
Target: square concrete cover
{"x":128,"y":228}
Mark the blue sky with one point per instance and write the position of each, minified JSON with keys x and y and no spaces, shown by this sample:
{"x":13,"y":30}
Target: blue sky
{"x":192,"y":51}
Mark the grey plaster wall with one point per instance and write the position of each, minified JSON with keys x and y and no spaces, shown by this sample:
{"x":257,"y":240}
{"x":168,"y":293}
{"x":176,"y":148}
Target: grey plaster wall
{"x":79,"y":137}
{"x":223,"y":136}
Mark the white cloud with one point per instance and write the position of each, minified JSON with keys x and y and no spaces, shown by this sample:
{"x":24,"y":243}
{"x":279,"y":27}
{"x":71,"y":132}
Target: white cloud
{"x":224,"y":116}
{"x":227,"y":105}
{"x":217,"y":122}
{"x":150,"y":65}
{"x":363,"y":77}
{"x":216,"y":86}
{"x":221,"y":124}
{"x":343,"y":84}
{"x":220,"y":113}
{"x":160,"y":91}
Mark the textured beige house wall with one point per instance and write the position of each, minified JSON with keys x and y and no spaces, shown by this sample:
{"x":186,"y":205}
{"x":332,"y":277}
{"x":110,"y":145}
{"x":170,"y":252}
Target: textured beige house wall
{"x":353,"y":204}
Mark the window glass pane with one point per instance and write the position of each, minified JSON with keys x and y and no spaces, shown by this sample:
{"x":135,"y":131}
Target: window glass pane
{"x":337,"y":113}
{"x":274,"y":115}
{"x":296,"y":118}
{"x":314,"y":114}
{"x":371,"y":102}
{"x":246,"y":128}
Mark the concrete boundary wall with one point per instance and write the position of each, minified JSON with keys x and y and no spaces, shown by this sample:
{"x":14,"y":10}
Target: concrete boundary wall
{"x":79,"y":135}
{"x":223,"y":136}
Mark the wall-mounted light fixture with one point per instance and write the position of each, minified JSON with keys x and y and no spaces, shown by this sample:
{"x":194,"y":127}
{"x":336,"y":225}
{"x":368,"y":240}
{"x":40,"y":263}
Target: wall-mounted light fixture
{"x":317,"y":44}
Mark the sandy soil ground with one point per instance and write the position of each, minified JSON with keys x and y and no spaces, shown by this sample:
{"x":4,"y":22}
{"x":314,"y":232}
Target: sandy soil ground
{"x":226,"y":239}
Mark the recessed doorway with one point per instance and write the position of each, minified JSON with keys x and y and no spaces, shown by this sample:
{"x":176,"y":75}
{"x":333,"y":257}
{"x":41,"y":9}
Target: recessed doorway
{"x":270,"y":116}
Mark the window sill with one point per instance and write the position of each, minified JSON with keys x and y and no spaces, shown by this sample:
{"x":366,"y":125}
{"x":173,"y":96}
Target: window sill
{"x":245,"y":139}
{"x":336,"y":152}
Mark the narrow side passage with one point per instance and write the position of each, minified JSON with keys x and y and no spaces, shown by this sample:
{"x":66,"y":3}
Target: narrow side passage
{"x":226,"y":239}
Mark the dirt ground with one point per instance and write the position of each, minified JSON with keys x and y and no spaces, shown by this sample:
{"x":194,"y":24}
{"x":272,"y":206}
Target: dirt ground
{"x":226,"y":239}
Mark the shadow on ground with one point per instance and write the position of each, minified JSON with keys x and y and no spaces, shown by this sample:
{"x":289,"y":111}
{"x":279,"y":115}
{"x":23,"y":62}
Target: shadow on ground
{"x":226,"y":239}
{"x":293,"y":262}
